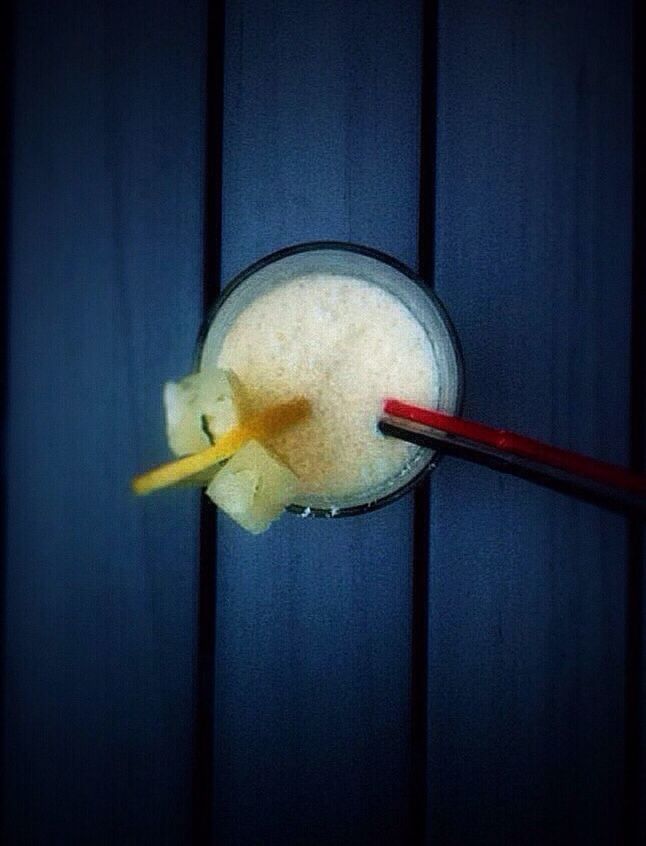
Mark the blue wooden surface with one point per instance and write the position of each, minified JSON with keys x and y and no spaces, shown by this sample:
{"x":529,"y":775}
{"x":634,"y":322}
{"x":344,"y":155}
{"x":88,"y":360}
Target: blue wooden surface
{"x":636,"y":600}
{"x":321,"y":140}
{"x":104,"y":302}
{"x":533,"y":254}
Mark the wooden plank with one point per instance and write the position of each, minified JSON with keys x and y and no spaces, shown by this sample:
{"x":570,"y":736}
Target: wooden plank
{"x":105,"y":300}
{"x":533,"y":260}
{"x":636,"y":586}
{"x":312,"y":702}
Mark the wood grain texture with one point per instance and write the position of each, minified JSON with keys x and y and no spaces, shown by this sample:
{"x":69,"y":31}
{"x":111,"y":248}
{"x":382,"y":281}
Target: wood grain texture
{"x":321,"y":123}
{"x":105,"y":300}
{"x":526,"y":633}
{"x":636,"y":599}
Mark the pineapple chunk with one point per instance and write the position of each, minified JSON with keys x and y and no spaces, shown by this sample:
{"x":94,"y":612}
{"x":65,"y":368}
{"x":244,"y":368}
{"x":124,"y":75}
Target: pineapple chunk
{"x":223,"y":400}
{"x":183,"y":416}
{"x":253,"y":487}
{"x":214,"y":394}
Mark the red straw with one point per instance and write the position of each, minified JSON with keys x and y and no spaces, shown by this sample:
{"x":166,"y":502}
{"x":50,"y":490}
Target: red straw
{"x":511,"y":442}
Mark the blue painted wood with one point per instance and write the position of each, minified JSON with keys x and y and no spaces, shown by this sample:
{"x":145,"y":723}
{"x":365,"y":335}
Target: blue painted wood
{"x":636,"y":600}
{"x":105,"y":300}
{"x":321,"y":123}
{"x":639,"y":820}
{"x":526,"y":588}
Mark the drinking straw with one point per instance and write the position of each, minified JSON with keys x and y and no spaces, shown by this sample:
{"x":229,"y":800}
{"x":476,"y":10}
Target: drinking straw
{"x":568,"y":472}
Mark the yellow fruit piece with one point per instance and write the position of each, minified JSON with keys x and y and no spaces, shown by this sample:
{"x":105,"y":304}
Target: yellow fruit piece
{"x":214,"y":393}
{"x":253,"y":487}
{"x":224,"y":400}
{"x":264,"y":424}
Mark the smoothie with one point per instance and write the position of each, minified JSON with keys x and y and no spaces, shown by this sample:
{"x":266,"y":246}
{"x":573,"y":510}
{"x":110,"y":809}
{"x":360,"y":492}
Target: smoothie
{"x":345,"y":344}
{"x":293,"y":365}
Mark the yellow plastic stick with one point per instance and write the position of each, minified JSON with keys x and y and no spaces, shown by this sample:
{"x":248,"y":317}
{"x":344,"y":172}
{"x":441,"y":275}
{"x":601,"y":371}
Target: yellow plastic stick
{"x":258,"y":426}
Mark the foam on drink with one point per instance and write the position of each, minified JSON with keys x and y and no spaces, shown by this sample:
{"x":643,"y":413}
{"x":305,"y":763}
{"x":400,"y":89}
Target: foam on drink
{"x":345,"y":344}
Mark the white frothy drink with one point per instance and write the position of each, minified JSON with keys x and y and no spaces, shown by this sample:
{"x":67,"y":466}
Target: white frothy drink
{"x":345,"y":344}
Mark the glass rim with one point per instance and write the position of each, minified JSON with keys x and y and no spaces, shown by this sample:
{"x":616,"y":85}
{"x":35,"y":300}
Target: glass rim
{"x":349,"y":247}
